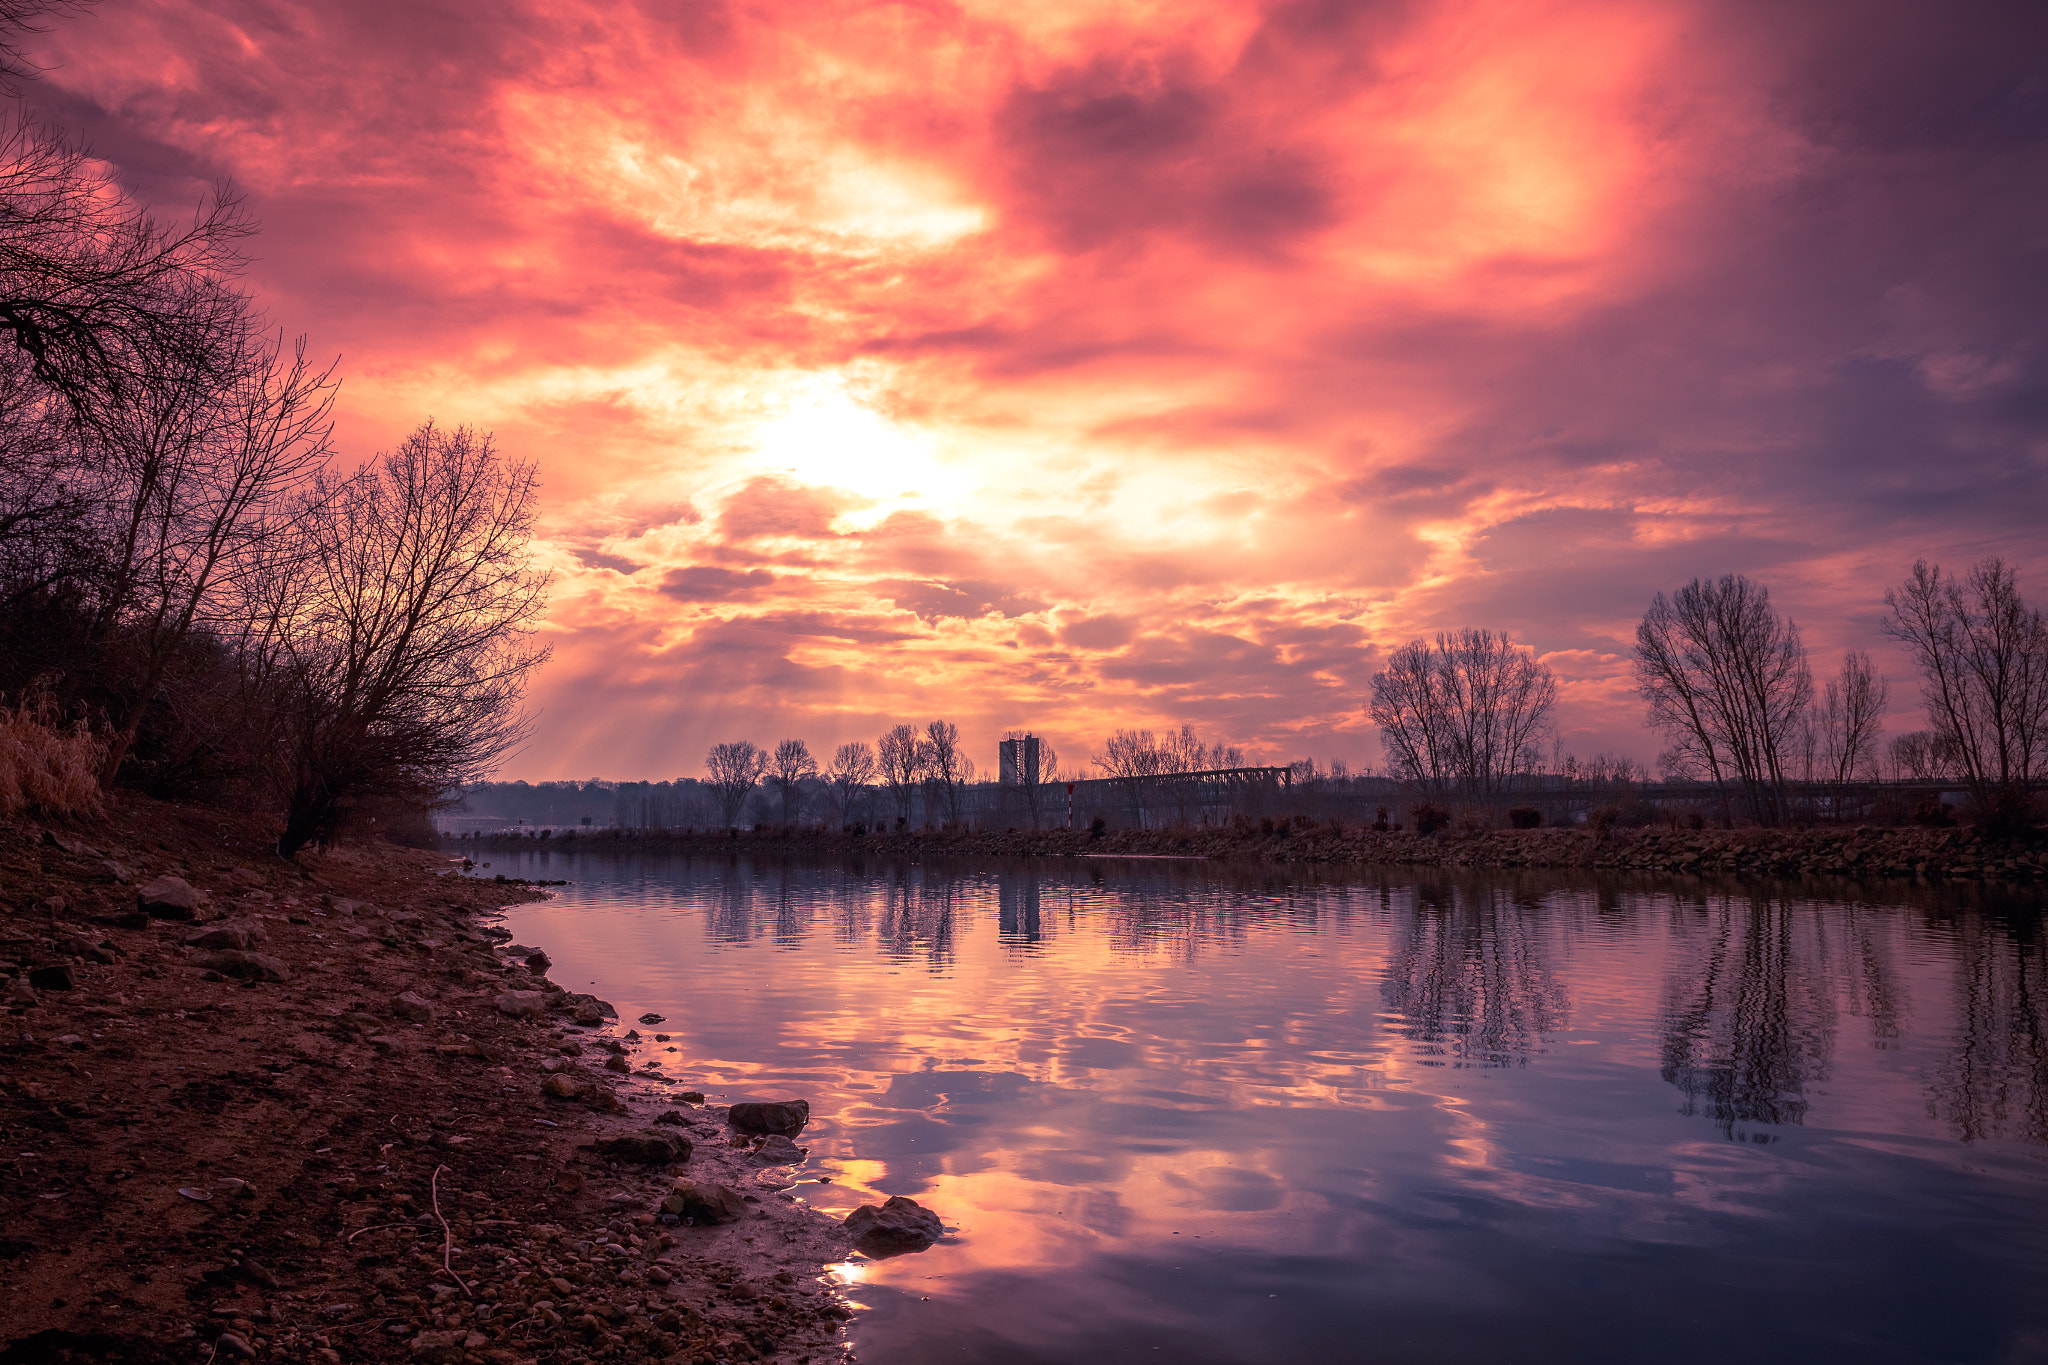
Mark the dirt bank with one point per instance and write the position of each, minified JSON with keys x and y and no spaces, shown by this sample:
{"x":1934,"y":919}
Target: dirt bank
{"x":1835,"y":851}
{"x":320,"y":1138}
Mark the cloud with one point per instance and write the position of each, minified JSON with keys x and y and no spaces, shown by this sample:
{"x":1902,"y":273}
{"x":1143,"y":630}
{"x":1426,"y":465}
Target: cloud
{"x":708,"y":583}
{"x":1100,"y":365}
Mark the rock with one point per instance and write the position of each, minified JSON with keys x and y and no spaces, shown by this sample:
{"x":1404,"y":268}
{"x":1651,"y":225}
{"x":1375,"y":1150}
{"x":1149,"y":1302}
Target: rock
{"x":647,"y":1148}
{"x":562,"y":1087}
{"x":437,"y":1347}
{"x":408,"y":1005}
{"x":71,"y":945}
{"x":229,"y":1343}
{"x":615,"y":1062}
{"x":673,"y":1117}
{"x":363,"y":1023}
{"x":899,"y":1226}
{"x":538,"y":962}
{"x":707,"y":1202}
{"x":248,"y":966}
{"x":55,"y":977}
{"x":120,"y":872}
{"x":171,"y":898}
{"x":582,"y":1005}
{"x":691,"y":1097}
{"x":523,"y":1004}
{"x":20,"y":995}
{"x":780,"y":1151}
{"x":652,"y":1018}
{"x":551,"y":1065}
{"x":238,"y":934}
{"x":781,"y":1116}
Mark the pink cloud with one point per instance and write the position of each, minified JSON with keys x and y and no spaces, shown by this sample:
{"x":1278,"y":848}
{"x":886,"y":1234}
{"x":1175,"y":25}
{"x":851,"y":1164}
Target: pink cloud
{"x":1051,"y":368}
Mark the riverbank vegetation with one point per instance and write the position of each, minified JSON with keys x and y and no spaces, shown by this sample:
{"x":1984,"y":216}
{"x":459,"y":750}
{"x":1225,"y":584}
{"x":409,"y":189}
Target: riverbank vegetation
{"x":199,"y":596}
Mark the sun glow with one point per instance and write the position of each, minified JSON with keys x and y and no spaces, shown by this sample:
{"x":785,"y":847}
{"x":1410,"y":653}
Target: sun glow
{"x":824,"y":437}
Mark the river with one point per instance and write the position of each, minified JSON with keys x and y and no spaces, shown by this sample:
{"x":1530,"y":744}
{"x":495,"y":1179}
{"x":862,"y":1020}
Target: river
{"x":1185,"y":1112}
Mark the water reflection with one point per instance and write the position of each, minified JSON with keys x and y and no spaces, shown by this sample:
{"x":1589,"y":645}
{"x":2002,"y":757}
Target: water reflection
{"x":1749,"y":1012}
{"x":1246,"y":1115}
{"x":1471,"y":978}
{"x":1993,"y":1082}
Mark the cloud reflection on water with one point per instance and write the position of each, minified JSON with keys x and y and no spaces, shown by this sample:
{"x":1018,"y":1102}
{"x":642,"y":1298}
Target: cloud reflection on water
{"x":1446,"y":1085}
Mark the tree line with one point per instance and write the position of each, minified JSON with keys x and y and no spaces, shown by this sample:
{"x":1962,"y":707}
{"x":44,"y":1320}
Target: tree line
{"x":197,"y":595}
{"x":1726,"y":679}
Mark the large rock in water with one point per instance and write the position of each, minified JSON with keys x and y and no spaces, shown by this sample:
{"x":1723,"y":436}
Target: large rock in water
{"x":171,"y":898}
{"x":645,"y":1148}
{"x":896,"y":1227}
{"x":781,"y":1116}
{"x":780,"y":1151}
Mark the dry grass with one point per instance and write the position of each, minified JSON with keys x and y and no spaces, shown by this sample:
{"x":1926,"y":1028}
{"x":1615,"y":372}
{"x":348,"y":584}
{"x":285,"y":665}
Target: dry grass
{"x":47,"y":766}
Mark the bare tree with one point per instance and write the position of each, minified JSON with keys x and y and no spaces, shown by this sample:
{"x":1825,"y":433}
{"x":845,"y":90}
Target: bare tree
{"x":394,"y":641}
{"x":1983,"y":658}
{"x":946,"y":768}
{"x":1921,"y":756}
{"x":1726,"y":680}
{"x":788,"y":769}
{"x":1129,"y":753}
{"x":1847,"y":718}
{"x":852,"y":771}
{"x":902,"y":759}
{"x":734,"y":769}
{"x":93,"y":290}
{"x":18,"y":19}
{"x":1464,"y":716}
{"x":202,"y":470}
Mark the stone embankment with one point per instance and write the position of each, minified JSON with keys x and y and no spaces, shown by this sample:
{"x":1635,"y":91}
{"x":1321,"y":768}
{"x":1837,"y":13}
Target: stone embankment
{"x":1832,"y":851}
{"x":324,"y":1114}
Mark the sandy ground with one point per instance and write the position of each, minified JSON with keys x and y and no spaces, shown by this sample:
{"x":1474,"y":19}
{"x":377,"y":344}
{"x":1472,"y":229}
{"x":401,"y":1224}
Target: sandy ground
{"x":212,"y":1158}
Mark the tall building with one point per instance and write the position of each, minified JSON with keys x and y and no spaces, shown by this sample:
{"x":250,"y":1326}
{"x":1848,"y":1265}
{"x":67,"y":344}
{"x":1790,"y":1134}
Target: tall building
{"x":1017,"y":762}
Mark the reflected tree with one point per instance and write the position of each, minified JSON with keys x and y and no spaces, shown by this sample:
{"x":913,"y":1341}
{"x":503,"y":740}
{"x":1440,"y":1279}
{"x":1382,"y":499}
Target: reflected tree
{"x":1471,"y":976}
{"x":1748,"y":1024}
{"x":1993,"y":1083}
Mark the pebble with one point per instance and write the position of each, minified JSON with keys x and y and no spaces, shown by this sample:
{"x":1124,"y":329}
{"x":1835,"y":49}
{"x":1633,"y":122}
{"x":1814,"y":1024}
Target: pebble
{"x":409,"y":1005}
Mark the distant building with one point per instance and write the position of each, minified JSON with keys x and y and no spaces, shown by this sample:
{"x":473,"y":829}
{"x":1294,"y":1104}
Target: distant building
{"x":1017,"y":762}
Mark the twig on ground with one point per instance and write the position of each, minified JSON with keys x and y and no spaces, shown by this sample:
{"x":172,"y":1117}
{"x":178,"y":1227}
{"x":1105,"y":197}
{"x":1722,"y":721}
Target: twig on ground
{"x":381,"y":1227}
{"x":447,"y":1234}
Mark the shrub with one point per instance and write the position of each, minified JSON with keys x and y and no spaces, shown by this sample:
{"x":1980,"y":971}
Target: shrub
{"x":1939,"y":814}
{"x":1525,"y":817}
{"x":1429,"y":819}
{"x":46,"y":766}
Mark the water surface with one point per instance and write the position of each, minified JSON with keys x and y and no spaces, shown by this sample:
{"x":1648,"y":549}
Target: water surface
{"x":1186,"y":1113}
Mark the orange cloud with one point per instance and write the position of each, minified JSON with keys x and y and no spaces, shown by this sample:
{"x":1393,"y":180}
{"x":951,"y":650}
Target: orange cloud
{"x":1080,"y":365}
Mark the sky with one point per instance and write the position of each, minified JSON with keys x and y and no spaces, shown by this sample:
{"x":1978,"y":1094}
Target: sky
{"x":1072,"y":366}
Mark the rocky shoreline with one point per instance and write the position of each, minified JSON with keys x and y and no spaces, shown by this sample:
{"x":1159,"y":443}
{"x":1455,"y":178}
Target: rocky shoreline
{"x":1878,"y":852}
{"x":326,"y":1114}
